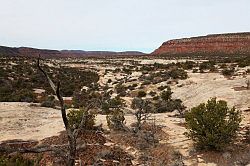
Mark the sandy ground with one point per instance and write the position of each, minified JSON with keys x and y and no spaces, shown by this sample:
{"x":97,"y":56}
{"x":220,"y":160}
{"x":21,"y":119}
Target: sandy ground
{"x":22,"y":121}
{"x":199,"y":88}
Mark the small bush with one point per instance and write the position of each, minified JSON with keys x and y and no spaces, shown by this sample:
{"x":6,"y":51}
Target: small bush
{"x":109,"y":80}
{"x":162,"y":87}
{"x":178,"y":74}
{"x":115,"y":120}
{"x":134,"y":85}
{"x":188,"y":65}
{"x":146,"y":82}
{"x":112,"y":103}
{"x":170,"y":106}
{"x":195,"y":70}
{"x":207,"y":66}
{"x":75,"y":118}
{"x":212,"y":125}
{"x":166,"y":95}
{"x":156,"y":98}
{"x":223,"y":66}
{"x":120,"y":90}
{"x":228,"y":72}
{"x":152,"y":93}
{"x":141,"y":93}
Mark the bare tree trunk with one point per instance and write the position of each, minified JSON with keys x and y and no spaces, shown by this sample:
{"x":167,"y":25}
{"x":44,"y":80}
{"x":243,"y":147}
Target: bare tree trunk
{"x":72,"y":153}
{"x":71,"y":136}
{"x":138,"y":116}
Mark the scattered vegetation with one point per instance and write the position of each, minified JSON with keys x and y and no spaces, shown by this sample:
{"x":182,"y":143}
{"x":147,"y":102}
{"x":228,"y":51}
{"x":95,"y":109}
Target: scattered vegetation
{"x":211,"y":125}
{"x":20,"y":76}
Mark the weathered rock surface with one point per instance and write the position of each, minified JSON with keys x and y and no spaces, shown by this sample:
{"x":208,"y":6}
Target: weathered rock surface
{"x":231,"y":43}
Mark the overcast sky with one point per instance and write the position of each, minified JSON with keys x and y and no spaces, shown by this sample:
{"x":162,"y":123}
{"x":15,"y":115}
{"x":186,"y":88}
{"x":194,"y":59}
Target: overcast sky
{"x":116,"y":25}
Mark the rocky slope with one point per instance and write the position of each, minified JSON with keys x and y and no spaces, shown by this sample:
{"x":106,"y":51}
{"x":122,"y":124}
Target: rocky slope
{"x":33,"y":52}
{"x":231,"y":43}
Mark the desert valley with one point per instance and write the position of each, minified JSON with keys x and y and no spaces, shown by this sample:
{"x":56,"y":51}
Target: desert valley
{"x":128,"y":108}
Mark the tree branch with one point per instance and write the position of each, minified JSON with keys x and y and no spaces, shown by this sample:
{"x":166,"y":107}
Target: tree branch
{"x":56,"y":90}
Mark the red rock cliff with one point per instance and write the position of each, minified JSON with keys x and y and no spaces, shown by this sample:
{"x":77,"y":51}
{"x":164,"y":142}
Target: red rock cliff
{"x":210,"y":44}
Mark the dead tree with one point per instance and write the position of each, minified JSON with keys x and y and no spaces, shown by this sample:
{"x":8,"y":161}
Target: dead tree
{"x":72,"y":133}
{"x":142,"y":109}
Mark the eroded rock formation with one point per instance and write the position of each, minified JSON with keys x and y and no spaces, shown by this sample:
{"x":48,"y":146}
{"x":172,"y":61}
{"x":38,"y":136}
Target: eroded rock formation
{"x":211,"y":44}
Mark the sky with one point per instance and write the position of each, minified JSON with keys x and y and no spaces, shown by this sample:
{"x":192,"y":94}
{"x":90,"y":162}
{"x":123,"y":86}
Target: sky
{"x":116,"y":25}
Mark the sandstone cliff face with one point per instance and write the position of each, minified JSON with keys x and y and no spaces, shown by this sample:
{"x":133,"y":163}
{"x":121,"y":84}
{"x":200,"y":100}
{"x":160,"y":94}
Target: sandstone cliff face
{"x":211,"y":44}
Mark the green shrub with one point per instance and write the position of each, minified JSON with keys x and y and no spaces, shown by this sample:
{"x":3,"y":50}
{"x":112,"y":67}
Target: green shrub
{"x":188,"y":65}
{"x":170,"y":106}
{"x":75,"y":118}
{"x":207,"y":65}
{"x":212,"y":125}
{"x":156,"y":98}
{"x":244,"y":62}
{"x":228,"y":72}
{"x":195,"y":70}
{"x":127,"y":71}
{"x":142,"y":104}
{"x":116,"y":102}
{"x":111,"y":103}
{"x":120,"y":89}
{"x":178,"y":73}
{"x":146,"y":82}
{"x":162,"y":87}
{"x":109,"y":80}
{"x":134,"y":85}
{"x":152,"y":93}
{"x":166,"y":95}
{"x":141,"y":93}
{"x":115,"y":120}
